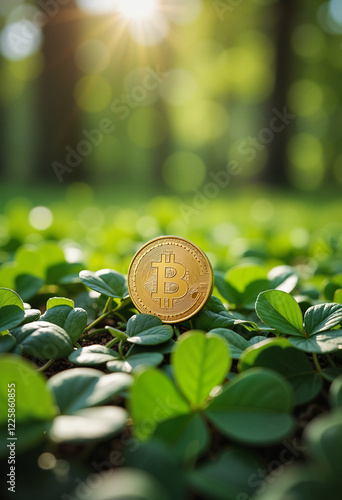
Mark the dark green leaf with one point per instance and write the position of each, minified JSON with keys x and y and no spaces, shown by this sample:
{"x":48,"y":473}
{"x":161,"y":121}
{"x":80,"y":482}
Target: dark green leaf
{"x":319,"y":343}
{"x":335,"y":392}
{"x":87,"y":425}
{"x":145,"y":329}
{"x":11,"y":309}
{"x":28,"y":285}
{"x":109,"y":282}
{"x":92,"y":355}
{"x":187,"y":436}
{"x":85,"y":387}
{"x":214,"y":315}
{"x":43,"y":340}
{"x":73,"y":321}
{"x":254,"y":408}
{"x":7,"y":342}
{"x":131,"y":362}
{"x":322,"y":317}
{"x":278,"y":355}
{"x":234,"y":474}
{"x":237,"y":344}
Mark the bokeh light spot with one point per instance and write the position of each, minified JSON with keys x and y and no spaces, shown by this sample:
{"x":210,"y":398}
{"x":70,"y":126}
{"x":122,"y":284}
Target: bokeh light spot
{"x":20,"y":39}
{"x":184,"y":171}
{"x":178,"y":87}
{"x":93,"y":93}
{"x":40,"y":218}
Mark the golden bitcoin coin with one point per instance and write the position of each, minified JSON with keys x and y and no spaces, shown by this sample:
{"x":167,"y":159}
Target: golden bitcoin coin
{"x":171,"y":278}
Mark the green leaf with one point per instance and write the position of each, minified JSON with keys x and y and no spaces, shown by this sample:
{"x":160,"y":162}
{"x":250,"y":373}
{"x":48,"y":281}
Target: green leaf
{"x":11,"y":309}
{"x":323,"y":437}
{"x":280,"y":310}
{"x":154,"y":457}
{"x":335,"y":392}
{"x":319,"y":343}
{"x":43,"y":340}
{"x":243,"y":275}
{"x":200,"y":363}
{"x":227,"y":291}
{"x":59,"y":301}
{"x":230,"y":477}
{"x":30,"y":315}
{"x":117,"y":333}
{"x":28,"y":285}
{"x":237,"y":344}
{"x":214,"y":315}
{"x":154,"y":399}
{"x":145,"y":329}
{"x":278,"y":355}
{"x":87,"y":425}
{"x":165,"y":348}
{"x":338,"y":296}
{"x":33,"y":399}
{"x":284,"y":278}
{"x":131,"y":362}
{"x":73,"y":321}
{"x":186,"y":436}
{"x":129,"y":484}
{"x":331,"y":373}
{"x":108,"y":282}
{"x":322,"y":317}
{"x":7,"y":342}
{"x":297,"y":484}
{"x":254,"y":408}
{"x":92,"y":355}
{"x":85,"y":387}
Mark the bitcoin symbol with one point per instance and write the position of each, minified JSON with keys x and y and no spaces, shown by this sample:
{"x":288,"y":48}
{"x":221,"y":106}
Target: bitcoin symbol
{"x":170,"y":280}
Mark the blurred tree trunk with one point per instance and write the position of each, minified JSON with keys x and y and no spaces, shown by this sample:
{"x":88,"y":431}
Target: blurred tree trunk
{"x":276,"y":170}
{"x":59,"y":115}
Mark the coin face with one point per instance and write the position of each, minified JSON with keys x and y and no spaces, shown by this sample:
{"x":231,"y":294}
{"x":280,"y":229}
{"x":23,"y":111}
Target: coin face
{"x":171,"y":278}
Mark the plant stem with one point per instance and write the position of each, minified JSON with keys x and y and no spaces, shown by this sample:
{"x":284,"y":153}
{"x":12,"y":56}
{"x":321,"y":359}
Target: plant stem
{"x":122,"y":304}
{"x":112,"y":342}
{"x":108,"y":306}
{"x":78,"y":345}
{"x":317,"y":365}
{"x":46,"y":366}
{"x":94,"y":323}
{"x":120,"y":349}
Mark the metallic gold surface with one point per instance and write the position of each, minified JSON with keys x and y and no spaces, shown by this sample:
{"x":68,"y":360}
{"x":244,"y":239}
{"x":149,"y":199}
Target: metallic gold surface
{"x":171,"y":278}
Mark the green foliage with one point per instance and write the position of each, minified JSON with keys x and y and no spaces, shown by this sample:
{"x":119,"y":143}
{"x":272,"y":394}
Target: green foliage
{"x":109,"y":282}
{"x":200,"y":363}
{"x":254,"y":408}
{"x":168,"y":401}
{"x":11,"y":309}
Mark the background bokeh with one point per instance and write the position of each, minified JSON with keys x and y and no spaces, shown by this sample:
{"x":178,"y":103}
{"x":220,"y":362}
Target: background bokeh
{"x":125,"y":119}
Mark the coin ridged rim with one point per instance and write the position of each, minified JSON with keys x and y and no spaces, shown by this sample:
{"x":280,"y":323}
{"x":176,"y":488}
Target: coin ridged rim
{"x":139,"y":304}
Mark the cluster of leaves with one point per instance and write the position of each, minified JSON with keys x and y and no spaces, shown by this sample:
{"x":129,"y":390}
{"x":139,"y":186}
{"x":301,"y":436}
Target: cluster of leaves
{"x":189,"y":404}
